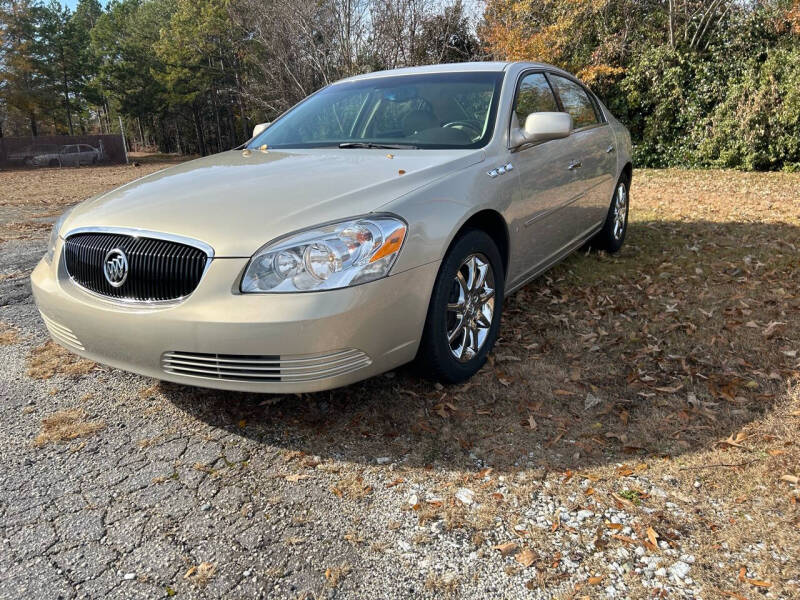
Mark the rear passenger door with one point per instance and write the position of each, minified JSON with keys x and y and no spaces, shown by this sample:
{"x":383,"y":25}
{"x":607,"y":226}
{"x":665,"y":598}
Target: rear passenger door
{"x":592,"y":154}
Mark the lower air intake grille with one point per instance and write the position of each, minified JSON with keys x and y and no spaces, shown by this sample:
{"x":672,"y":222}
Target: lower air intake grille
{"x":255,"y":368}
{"x":63,"y":335}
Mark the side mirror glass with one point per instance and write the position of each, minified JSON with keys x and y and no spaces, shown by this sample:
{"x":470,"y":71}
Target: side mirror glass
{"x":544,"y":126}
{"x":260,"y":127}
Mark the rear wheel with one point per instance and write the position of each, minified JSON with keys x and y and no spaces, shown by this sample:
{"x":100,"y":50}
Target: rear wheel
{"x":465,"y":308}
{"x":612,"y":235}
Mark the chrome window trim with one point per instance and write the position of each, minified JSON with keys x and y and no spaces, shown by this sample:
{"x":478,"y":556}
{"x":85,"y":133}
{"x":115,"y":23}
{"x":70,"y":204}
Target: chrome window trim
{"x":135,"y":232}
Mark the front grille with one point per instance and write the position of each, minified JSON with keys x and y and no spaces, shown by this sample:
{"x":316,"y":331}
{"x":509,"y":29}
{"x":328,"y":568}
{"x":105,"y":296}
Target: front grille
{"x":158,"y":270}
{"x":254,"y":368}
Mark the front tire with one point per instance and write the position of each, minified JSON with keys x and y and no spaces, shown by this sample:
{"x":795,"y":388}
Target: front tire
{"x":465,"y":309}
{"x":612,"y":235}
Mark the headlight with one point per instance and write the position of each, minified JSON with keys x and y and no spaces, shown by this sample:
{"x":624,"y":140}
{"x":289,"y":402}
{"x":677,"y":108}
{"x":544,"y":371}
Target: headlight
{"x":327,"y":257}
{"x":51,"y":244}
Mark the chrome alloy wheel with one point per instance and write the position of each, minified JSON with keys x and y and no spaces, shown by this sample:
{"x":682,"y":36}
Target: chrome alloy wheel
{"x":470,"y":307}
{"x":620,"y":211}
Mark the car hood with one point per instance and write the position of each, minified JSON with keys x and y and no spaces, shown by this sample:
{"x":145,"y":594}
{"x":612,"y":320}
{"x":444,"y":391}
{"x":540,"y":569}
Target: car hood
{"x":239,"y":200}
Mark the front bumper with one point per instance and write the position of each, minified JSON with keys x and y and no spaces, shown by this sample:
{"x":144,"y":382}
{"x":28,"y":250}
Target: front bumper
{"x":377,"y":326}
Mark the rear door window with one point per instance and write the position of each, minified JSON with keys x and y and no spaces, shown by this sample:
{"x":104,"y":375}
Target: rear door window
{"x":575,"y":101}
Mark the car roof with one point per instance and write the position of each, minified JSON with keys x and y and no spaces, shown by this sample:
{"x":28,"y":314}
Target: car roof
{"x":464,"y":67}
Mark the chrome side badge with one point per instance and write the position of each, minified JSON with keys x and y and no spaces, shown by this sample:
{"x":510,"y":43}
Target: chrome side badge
{"x":500,"y":170}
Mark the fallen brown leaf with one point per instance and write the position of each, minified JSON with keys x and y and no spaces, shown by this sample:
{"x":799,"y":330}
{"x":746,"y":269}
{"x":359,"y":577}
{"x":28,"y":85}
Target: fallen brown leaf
{"x":525,"y":557}
{"x":505,"y":548}
{"x":736,"y":441}
{"x":652,"y":536}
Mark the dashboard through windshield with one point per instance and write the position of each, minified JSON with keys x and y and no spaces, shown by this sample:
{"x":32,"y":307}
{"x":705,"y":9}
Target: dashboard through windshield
{"x":433,"y":111}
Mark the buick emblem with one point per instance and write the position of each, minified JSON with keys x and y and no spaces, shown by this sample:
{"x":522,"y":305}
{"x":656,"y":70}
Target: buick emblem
{"x":115,"y":267}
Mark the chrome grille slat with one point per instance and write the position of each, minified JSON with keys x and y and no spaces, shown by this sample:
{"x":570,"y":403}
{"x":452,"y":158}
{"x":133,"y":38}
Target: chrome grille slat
{"x":248,"y":366}
{"x":160,"y":270}
{"x":217,"y":366}
{"x":319,"y":374}
{"x":254,"y":368}
{"x":254,"y":359}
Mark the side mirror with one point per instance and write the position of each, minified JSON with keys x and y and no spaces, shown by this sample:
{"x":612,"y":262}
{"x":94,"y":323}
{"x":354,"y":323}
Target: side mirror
{"x":260,"y":127}
{"x":543,"y":126}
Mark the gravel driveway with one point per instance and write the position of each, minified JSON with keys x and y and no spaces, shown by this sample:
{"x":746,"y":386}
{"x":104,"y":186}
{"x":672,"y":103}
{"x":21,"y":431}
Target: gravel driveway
{"x":554,"y":474}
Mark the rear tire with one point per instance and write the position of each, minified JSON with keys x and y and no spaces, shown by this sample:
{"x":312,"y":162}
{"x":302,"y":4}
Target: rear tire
{"x":611,"y":237}
{"x":465,"y":309}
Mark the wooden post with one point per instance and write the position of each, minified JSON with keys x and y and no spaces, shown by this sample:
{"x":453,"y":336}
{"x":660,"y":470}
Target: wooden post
{"x":124,"y":144}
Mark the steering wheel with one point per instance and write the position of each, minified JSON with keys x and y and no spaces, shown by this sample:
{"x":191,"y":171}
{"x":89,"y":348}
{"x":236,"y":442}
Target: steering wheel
{"x":470,"y":126}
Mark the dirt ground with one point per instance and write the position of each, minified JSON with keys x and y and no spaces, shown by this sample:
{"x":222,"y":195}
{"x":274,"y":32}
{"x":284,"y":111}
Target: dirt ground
{"x":634,"y":435}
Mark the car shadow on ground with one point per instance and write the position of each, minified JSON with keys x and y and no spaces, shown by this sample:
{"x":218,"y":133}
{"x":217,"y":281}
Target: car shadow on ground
{"x":662,"y":350}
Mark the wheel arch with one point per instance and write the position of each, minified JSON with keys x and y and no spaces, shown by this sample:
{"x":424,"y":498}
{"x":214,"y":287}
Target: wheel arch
{"x":493,"y":224}
{"x":627,"y":172}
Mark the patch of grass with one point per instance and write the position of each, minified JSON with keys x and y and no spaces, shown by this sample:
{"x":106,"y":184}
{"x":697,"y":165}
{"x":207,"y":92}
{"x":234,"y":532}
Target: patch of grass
{"x":632,"y":496}
{"x":334,"y":575}
{"x":50,"y":359}
{"x":352,"y":487}
{"x":67,"y":425}
{"x":14,"y":275}
{"x":442,"y":585}
{"x":8,"y":335}
{"x":201,"y":574}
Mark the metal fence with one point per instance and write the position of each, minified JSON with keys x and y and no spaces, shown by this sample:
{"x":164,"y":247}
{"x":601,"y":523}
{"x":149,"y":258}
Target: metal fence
{"x":61,"y":151}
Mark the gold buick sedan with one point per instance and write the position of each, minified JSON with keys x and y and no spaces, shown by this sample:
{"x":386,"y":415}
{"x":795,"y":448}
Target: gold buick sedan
{"x":382,"y":219}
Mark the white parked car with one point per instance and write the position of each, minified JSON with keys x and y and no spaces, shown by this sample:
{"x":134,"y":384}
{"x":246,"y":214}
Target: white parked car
{"x":71,"y":155}
{"x":383,"y":219}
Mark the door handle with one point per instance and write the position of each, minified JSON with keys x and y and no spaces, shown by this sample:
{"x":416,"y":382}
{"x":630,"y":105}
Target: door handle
{"x":610,"y":149}
{"x":575,"y":164}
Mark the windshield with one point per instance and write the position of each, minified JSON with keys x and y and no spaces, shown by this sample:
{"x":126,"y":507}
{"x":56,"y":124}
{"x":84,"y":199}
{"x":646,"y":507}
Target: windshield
{"x":439,"y":110}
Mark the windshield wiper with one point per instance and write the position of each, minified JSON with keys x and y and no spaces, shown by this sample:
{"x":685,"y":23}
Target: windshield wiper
{"x":374,"y":145}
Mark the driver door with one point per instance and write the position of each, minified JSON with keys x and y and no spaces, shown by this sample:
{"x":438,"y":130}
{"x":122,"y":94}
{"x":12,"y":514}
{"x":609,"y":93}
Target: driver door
{"x":69,"y":155}
{"x":593,"y":154}
{"x":544,"y":215}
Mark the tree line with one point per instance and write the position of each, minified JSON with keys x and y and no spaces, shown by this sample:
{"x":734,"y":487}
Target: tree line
{"x":194,"y":76}
{"x":699,"y":82}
